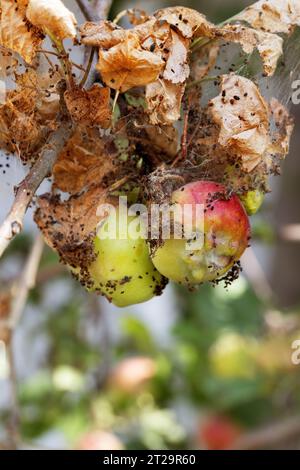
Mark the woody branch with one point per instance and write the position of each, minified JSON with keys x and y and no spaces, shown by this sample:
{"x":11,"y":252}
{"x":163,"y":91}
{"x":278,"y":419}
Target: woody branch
{"x":95,"y":10}
{"x":13,"y":223}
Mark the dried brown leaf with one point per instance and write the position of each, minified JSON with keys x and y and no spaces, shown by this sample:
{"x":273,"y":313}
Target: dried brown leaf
{"x":24,"y":120}
{"x":177,"y":69}
{"x":190,"y":23}
{"x":164,"y":101}
{"x":82,"y":162}
{"x":269,"y":46}
{"x":243,"y":118}
{"x":137,"y":16}
{"x":69,"y":227}
{"x":16,"y":33}
{"x":284,"y":124}
{"x":90,"y":108}
{"x":165,"y":138}
{"x":84,"y":169}
{"x":102,"y":34}
{"x":273,"y":16}
{"x":127,"y":65}
{"x":52,"y":16}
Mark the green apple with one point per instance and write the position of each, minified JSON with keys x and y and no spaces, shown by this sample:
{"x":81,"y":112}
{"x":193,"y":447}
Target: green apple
{"x":252,"y":201}
{"x":123,"y":271}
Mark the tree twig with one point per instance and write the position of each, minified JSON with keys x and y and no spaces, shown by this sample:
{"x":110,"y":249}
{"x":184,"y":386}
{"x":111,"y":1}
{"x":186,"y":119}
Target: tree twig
{"x":99,"y":318}
{"x":271,"y":435}
{"x":19,"y":298}
{"x":26,"y":282}
{"x":95,"y":10}
{"x":290,"y":233}
{"x":88,"y":68}
{"x":102,"y":8}
{"x":51,"y":272}
{"x":86,"y":8}
{"x":256,"y":276}
{"x":14,"y":421}
{"x":13,"y":223}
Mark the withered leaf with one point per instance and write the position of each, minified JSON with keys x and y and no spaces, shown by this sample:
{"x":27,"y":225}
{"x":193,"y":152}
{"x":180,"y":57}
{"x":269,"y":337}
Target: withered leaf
{"x":84,"y":169}
{"x":138,"y":56}
{"x":127,"y":65}
{"x":83,"y":162}
{"x":269,"y":46}
{"x":69,"y":227}
{"x":52,"y":16}
{"x":89,"y":108}
{"x":243,"y":117}
{"x":102,"y":34}
{"x":137,"y":16}
{"x":190,"y":23}
{"x":16,"y":33}
{"x":274,"y":16}
{"x":284,"y":124}
{"x":155,"y":54}
{"x":164,"y":101}
{"x":24,"y":122}
{"x":164,"y":138}
{"x":88,"y":168}
{"x":177,"y":69}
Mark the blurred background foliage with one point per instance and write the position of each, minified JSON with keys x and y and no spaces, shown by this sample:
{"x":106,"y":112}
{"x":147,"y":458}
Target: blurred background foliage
{"x":89,"y":376}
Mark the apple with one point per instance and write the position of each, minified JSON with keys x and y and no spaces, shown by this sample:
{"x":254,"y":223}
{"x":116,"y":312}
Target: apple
{"x":132,"y":374}
{"x":219,"y":433}
{"x":233,"y":356}
{"x":99,"y":440}
{"x":226,"y":232}
{"x":123,"y":271}
{"x":252,"y":201}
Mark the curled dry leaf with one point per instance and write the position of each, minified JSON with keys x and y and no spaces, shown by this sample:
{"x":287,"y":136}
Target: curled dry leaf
{"x":19,"y":129}
{"x":284,"y":125}
{"x":177,"y":69}
{"x":190,"y":23}
{"x":85,"y":168}
{"x":127,"y":65}
{"x":16,"y":33}
{"x":243,"y":117}
{"x":269,"y":46}
{"x":164,"y":101}
{"x":69,"y":227}
{"x":274,"y":16}
{"x":52,"y":16}
{"x":137,"y":16}
{"x":165,"y":138}
{"x":102,"y":34}
{"x":164,"y":95}
{"x":89,"y":108}
{"x":82,"y":162}
{"x":24,"y":120}
{"x":139,"y":56}
{"x":155,"y":54}
{"x":8,"y":64}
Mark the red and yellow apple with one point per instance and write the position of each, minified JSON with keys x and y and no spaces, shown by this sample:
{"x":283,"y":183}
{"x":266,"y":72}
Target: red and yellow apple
{"x":225,"y":229}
